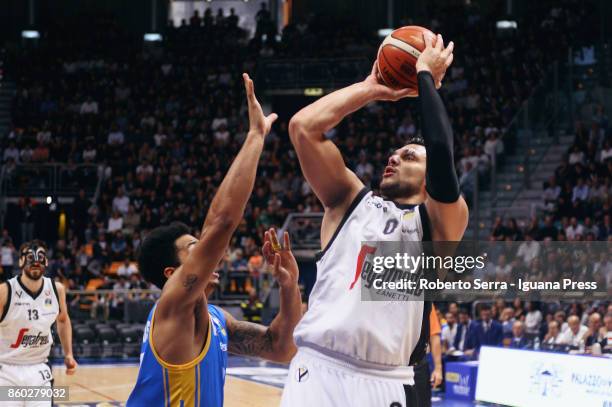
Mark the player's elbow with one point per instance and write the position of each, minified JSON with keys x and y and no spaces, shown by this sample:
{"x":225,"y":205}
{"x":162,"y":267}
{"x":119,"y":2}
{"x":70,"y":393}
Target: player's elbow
{"x":285,"y":352}
{"x":299,"y":130}
{"x":222,"y":220}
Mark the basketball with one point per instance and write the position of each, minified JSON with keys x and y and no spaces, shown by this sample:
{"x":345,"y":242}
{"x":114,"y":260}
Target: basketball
{"x":398,"y":54}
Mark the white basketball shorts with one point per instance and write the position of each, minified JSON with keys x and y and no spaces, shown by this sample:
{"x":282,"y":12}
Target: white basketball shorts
{"x":25,"y":375}
{"x":319,"y":380}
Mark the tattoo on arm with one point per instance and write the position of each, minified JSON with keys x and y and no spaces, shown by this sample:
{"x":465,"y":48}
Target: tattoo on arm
{"x":246,"y":338}
{"x":189,"y":281}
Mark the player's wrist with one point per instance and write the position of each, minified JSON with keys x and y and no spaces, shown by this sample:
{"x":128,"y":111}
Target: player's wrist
{"x":422,"y":68}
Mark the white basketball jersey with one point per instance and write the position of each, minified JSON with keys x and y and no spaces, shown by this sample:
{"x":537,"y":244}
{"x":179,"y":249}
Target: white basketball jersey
{"x":338,"y":322}
{"x":25,"y":326}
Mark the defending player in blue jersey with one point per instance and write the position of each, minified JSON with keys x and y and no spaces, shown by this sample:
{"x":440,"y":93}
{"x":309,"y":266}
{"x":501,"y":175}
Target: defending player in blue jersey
{"x":184,"y":351}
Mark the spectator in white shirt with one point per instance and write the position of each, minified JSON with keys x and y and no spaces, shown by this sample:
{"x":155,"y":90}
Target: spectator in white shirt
{"x":575,"y":332}
{"x":89,"y":106}
{"x":222,"y":135}
{"x":115,"y":222}
{"x":493,"y":146}
{"x":580,"y":191}
{"x":364,"y":167}
{"x":528,"y":250}
{"x":533,"y":319}
{"x":126,"y":269}
{"x":574,"y":229}
{"x":160,"y":137}
{"x":560,"y":318}
{"x":26,"y":154}
{"x":406,"y":129}
{"x":89,"y":153}
{"x":115,"y":137}
{"x":121,"y":202}
{"x":11,"y":152}
{"x":576,"y":156}
{"x":219,"y":120}
{"x":449,"y":330}
{"x":553,"y":335}
{"x":145,"y":168}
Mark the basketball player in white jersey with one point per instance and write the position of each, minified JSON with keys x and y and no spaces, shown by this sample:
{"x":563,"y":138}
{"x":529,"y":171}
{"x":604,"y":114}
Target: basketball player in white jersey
{"x":29,"y":305}
{"x":351,"y":352}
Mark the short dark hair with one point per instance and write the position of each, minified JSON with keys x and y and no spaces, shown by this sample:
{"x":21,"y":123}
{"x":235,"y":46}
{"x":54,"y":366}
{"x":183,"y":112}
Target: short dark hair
{"x":158,"y":251}
{"x":415,"y":140}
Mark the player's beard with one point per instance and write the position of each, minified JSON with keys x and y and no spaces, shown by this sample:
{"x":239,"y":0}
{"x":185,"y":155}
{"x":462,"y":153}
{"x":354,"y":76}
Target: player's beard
{"x":35,"y":274}
{"x":395,"y":189}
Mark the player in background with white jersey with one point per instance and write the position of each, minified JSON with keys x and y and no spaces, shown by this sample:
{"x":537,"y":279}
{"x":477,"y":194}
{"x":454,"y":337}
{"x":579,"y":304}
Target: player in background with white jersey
{"x":352,"y":352}
{"x":29,"y":304}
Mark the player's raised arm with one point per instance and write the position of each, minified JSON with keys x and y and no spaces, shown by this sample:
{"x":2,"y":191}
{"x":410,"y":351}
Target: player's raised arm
{"x":321,"y":161}
{"x":274,"y":342}
{"x":184,"y":289}
{"x":64,"y":330}
{"x":446,"y":207}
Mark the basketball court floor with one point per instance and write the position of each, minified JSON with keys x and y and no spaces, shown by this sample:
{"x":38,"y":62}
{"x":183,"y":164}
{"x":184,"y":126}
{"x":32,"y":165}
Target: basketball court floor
{"x":249,"y":383}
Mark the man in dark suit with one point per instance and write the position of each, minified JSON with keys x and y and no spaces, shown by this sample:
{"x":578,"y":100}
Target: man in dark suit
{"x":518,"y":338}
{"x":485,"y":331}
{"x":462,"y":329}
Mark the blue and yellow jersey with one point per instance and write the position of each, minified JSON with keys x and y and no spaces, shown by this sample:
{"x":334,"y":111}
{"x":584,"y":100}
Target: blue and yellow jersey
{"x":198,"y":383}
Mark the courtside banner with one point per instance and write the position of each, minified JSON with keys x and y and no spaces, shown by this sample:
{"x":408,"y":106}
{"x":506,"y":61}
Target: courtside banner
{"x":541,"y":379}
{"x":468,"y":271}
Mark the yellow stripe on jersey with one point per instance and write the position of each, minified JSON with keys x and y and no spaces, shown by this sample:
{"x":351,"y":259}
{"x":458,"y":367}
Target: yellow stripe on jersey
{"x":182,"y":366}
{"x":184,"y":386}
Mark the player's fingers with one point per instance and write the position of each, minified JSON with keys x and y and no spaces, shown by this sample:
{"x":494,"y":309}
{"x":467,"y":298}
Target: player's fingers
{"x":428,"y":40}
{"x":449,"y":60}
{"x":250,"y":88}
{"x":271,"y":118}
{"x":286,"y":241}
{"x":439,"y":43}
{"x":277,"y":261}
{"x":266,"y":250}
{"x":449,"y":49}
{"x":402,"y":93}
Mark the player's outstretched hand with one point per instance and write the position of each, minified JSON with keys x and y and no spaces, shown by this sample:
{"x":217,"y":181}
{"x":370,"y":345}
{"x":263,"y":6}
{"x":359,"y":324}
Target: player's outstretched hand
{"x":259,"y":124}
{"x":435,"y":58}
{"x":71,"y":365}
{"x":383,"y":92}
{"x":284,"y":267}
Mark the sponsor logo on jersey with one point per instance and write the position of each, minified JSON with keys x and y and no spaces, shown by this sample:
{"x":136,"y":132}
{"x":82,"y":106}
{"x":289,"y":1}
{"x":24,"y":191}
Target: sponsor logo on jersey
{"x":18,"y":293}
{"x":47,"y":293}
{"x":302,"y":374}
{"x":48,"y":303}
{"x":21,"y":303}
{"x":29,"y":341}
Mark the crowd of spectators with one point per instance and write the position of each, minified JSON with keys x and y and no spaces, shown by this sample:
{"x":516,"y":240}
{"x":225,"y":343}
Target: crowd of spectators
{"x":585,"y":328}
{"x":163,"y":123}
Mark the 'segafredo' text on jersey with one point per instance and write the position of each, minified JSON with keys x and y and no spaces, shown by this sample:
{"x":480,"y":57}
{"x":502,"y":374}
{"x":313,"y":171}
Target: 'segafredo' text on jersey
{"x":25,"y":326}
{"x":338,"y":321}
